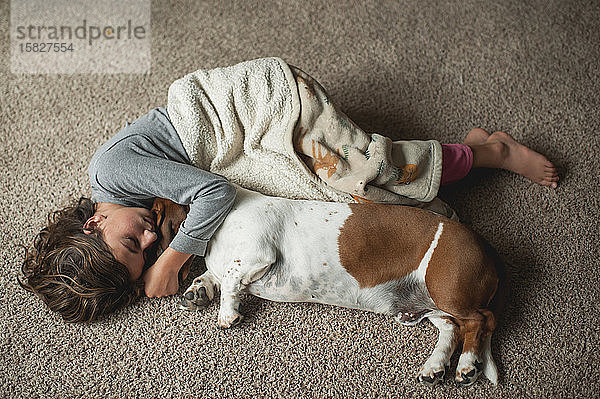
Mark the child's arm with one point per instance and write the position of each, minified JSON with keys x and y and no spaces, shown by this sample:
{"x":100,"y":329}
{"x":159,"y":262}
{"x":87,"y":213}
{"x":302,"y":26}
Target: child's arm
{"x":161,"y":279}
{"x":146,"y":160}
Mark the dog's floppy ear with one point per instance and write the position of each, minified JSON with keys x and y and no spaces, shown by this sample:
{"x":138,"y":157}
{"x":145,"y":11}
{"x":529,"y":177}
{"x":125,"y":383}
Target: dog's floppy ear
{"x":169,"y":217}
{"x":158,"y":208}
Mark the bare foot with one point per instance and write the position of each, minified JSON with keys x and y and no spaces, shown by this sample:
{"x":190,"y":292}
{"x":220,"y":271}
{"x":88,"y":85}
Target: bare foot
{"x":476,"y":136}
{"x":523,"y":160}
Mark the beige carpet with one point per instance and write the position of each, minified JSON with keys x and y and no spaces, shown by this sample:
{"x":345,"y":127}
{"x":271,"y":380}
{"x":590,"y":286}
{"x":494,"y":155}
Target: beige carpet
{"x":406,"y":69}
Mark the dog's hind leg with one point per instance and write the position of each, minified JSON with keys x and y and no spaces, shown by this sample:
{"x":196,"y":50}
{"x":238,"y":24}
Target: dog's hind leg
{"x":476,"y":354}
{"x":434,"y":368}
{"x":235,"y":279}
{"x":200,"y":293}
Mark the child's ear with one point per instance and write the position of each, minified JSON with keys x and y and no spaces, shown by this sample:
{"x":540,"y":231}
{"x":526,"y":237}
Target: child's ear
{"x":92,"y":224}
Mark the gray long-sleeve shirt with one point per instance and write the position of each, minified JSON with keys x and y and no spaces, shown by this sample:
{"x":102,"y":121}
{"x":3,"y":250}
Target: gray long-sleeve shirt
{"x":145,"y":160}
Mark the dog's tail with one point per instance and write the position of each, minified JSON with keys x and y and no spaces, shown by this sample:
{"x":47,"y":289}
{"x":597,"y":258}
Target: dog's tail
{"x":489,"y":366}
{"x":496,"y":307}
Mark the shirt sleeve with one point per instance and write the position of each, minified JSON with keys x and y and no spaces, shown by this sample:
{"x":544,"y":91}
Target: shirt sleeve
{"x":143,"y":177}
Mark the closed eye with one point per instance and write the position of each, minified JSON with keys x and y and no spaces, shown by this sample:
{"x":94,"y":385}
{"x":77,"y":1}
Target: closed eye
{"x":132,"y":244}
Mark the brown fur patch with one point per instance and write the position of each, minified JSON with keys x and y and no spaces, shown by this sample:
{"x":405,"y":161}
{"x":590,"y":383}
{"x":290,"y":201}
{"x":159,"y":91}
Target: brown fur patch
{"x":461,"y":277}
{"x":379,"y":243}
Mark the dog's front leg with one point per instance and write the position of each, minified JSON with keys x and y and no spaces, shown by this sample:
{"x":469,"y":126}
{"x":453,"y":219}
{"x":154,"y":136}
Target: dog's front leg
{"x":235,"y":279}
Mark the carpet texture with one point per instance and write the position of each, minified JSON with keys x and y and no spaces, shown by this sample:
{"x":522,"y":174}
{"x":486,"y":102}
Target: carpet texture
{"x":405,"y":69}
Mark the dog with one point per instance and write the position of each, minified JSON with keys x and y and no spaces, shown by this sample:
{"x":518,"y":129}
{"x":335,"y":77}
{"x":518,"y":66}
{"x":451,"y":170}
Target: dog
{"x":398,"y":260}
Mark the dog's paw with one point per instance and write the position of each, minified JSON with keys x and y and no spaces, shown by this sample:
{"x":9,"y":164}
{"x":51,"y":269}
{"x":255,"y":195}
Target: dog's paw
{"x":229,"y":319}
{"x":432,"y":375}
{"x":194,"y":298}
{"x":468,"y":370}
{"x":200,"y":293}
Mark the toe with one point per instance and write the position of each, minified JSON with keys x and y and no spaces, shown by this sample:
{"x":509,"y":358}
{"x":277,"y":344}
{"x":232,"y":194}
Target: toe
{"x":186,"y":304}
{"x":549,"y":177}
{"x":467,"y":379}
{"x":426,"y":380}
{"x":194,"y":299}
{"x":550,"y":182}
{"x":237,"y":320}
{"x":201,"y":298}
{"x":431,"y":378}
{"x":467,"y":375}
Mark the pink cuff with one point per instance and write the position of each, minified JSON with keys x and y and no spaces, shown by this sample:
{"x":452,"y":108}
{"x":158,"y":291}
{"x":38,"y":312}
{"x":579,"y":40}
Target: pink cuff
{"x":457,"y":161}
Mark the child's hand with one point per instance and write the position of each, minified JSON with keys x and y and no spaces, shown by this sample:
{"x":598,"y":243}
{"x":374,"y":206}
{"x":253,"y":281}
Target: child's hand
{"x":162,"y":279}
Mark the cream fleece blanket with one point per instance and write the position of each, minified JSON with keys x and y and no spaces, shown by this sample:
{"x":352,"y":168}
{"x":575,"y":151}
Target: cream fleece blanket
{"x":242,"y":122}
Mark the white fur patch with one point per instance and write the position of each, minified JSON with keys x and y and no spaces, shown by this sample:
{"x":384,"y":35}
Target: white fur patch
{"x":419,"y":274}
{"x":466,"y":362}
{"x":292,"y":243}
{"x":447,"y":341}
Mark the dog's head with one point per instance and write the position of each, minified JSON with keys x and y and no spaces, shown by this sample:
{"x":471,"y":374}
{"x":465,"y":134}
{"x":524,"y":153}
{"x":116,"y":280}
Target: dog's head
{"x":168,"y":216}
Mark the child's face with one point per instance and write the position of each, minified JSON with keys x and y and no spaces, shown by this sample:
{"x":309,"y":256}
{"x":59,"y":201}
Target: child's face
{"x":129,"y":232}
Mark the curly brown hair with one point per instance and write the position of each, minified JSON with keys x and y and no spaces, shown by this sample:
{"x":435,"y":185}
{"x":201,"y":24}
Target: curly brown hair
{"x":75,"y":273}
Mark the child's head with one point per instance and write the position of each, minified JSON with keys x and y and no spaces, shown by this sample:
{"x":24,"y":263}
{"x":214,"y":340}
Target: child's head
{"x":74,"y":272}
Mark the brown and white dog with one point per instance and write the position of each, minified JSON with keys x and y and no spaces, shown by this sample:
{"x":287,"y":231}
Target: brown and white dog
{"x":402,"y":261}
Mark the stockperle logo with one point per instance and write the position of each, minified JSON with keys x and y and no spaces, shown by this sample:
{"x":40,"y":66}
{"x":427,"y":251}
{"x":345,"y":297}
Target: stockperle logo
{"x":67,"y":36}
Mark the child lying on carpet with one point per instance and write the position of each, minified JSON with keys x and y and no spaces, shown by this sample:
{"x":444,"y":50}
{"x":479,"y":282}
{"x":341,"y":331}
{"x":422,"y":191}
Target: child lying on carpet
{"x":262,"y":124}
